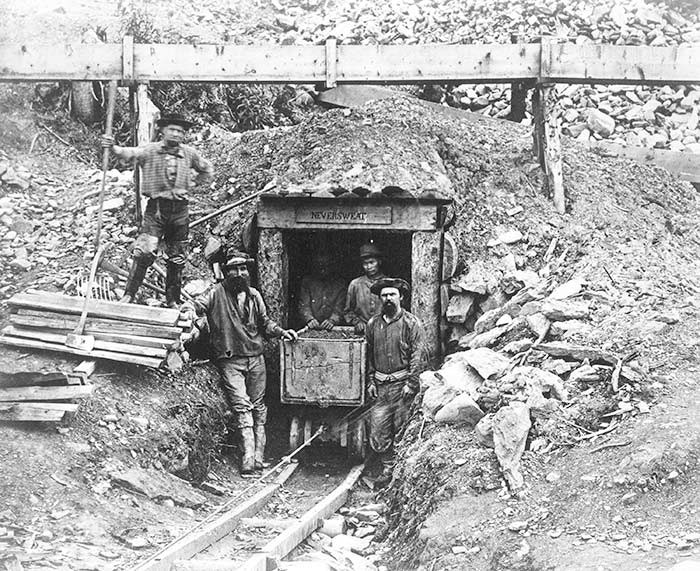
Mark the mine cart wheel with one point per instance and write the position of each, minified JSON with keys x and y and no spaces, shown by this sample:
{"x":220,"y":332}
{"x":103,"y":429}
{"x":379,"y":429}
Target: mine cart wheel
{"x":295,"y":433}
{"x":357,"y":440}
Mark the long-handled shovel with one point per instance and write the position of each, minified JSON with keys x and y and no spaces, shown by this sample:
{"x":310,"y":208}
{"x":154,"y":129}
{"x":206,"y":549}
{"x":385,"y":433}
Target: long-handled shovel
{"x":77,"y":339}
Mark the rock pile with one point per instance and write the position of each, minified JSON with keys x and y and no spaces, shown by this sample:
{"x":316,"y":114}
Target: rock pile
{"x":523,"y":358}
{"x":661,"y":117}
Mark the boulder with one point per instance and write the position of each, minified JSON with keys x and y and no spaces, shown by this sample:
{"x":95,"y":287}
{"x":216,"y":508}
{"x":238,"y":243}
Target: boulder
{"x":563,"y":310}
{"x":484,"y":431}
{"x":538,"y":324}
{"x":600,"y":123}
{"x":436,"y":397}
{"x":350,"y":543}
{"x":511,"y":425}
{"x":158,"y":485}
{"x":488,"y":338}
{"x":477,"y":280}
{"x":565,"y":329}
{"x":568,"y":289}
{"x":537,"y":381}
{"x":585,"y":374}
{"x":489,"y":319}
{"x":459,"y":307}
{"x":486,"y":362}
{"x":460,"y":410}
{"x":457,"y":373}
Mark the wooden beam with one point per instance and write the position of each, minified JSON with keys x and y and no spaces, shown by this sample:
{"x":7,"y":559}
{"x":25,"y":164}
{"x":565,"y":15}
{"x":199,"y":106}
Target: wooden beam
{"x":273,"y":274}
{"x":45,"y":393}
{"x":97,"y":308}
{"x":331,"y":62}
{"x":426,"y":269}
{"x":35,"y":411}
{"x":283,"y":544}
{"x":94,"y":354}
{"x":604,"y":63}
{"x":684,"y":165}
{"x":549,"y":143}
{"x":201,"y":538}
{"x":57,"y":337}
{"x":37,"y":318}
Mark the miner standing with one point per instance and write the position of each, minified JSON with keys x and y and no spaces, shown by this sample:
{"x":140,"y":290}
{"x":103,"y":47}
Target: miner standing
{"x":238,"y":319}
{"x":360,"y":303}
{"x":321,"y":295}
{"x":395,"y":359}
{"x":166,"y":169}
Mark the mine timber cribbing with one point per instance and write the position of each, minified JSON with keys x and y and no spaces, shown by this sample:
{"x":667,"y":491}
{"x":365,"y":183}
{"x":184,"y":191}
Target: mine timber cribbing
{"x":547,"y":62}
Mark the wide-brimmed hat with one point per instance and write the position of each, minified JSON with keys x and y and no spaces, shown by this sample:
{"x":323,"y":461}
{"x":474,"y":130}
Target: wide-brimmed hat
{"x":370,"y":251}
{"x":238,"y":258}
{"x":174,"y":119}
{"x":398,"y":283}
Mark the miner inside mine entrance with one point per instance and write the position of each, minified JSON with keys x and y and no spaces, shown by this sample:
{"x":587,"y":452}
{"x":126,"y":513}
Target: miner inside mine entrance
{"x":328,"y":269}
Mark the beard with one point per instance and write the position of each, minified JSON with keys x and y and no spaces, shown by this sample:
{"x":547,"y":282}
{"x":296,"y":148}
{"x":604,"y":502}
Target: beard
{"x":389,"y":308}
{"x":237,"y":284}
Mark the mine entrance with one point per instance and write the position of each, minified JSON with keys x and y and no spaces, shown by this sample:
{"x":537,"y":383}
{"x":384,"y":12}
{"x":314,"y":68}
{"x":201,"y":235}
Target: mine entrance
{"x":343,"y":247}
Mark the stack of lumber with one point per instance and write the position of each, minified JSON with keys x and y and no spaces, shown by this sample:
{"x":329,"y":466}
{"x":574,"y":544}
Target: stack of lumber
{"x":128,"y":333}
{"x":45,"y":397}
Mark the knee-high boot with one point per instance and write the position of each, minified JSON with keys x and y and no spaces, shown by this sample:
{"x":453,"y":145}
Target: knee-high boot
{"x":173,"y":284}
{"x":133,"y":282}
{"x":260,"y":441}
{"x":247,"y":450}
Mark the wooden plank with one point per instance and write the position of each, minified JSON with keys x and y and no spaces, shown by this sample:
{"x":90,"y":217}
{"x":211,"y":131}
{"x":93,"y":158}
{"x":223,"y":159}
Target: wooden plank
{"x":425,"y":280}
{"x":475,"y":63}
{"x":86,"y":368}
{"x":204,"y":536}
{"x":283,"y":544}
{"x":54,"y":320}
{"x":45,"y":393}
{"x":94,"y":354}
{"x":56,"y":337}
{"x":331,"y":62}
{"x":684,"y":165}
{"x":551,"y":142}
{"x":35,"y":411}
{"x":97,"y":308}
{"x":25,"y":321}
{"x":603,"y":63}
{"x":404,"y":216}
{"x":228,"y":62}
{"x":60,"y":61}
{"x":29,"y":378}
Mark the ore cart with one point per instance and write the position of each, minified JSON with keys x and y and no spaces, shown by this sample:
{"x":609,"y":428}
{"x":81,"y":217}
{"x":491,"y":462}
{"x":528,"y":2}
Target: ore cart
{"x":322,"y":376}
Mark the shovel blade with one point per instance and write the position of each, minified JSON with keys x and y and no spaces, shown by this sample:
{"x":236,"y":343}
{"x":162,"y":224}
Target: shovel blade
{"x":82,"y":342}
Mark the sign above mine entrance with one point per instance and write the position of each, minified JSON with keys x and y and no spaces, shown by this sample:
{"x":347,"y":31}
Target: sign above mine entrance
{"x":343,"y":214}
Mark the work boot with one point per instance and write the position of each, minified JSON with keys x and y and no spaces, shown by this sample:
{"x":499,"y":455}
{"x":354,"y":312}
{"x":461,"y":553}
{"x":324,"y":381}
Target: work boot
{"x":133,"y":282}
{"x":260,"y":440}
{"x":173,"y":284}
{"x":247,"y":450}
{"x":387,"y":463}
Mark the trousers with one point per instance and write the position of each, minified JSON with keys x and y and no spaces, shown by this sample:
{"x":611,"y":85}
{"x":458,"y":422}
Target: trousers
{"x":387,"y":416}
{"x":166,"y":220}
{"x":244,"y":380}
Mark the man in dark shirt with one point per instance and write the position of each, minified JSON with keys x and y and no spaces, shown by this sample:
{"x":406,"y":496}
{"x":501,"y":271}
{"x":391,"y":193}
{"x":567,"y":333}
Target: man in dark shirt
{"x":395,"y":350}
{"x":237,"y":321}
{"x":321,"y":296}
{"x":360,"y":303}
{"x":166,"y":178}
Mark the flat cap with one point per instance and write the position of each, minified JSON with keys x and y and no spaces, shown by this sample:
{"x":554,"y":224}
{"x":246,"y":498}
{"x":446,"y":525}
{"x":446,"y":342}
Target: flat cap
{"x":174,"y":119}
{"x":398,"y":283}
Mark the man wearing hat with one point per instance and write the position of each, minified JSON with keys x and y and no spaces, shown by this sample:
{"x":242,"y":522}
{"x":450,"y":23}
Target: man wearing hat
{"x":166,"y":176}
{"x":395,"y":359}
{"x":360,"y":302}
{"x":238,"y":319}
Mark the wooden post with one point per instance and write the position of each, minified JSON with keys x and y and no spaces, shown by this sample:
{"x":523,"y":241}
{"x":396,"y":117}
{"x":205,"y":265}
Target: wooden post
{"x":518,"y":98}
{"x":546,"y":141}
{"x":144,"y":125}
{"x":273,"y":274}
{"x":425,"y":279}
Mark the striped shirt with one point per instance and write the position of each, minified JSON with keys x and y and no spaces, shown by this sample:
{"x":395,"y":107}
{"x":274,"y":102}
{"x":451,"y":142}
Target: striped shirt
{"x":165,"y":172}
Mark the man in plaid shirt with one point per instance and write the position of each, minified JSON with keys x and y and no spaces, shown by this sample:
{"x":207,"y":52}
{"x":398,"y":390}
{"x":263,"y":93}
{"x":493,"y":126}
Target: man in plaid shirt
{"x":166,"y":168}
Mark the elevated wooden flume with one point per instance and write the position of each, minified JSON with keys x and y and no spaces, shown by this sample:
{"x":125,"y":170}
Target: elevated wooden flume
{"x":536,"y":65}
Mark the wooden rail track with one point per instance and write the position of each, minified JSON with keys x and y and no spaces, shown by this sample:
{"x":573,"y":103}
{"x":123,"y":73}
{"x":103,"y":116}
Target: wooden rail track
{"x":193,"y":550}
